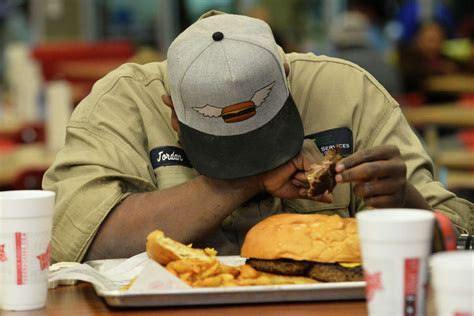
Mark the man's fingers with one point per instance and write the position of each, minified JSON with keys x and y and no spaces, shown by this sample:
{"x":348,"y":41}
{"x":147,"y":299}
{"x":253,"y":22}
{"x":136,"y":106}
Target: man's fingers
{"x":300,"y":176}
{"x":372,"y":170}
{"x":383,"y":152}
{"x":382,"y":201}
{"x":301,"y":162}
{"x":378,"y":187}
{"x":325,"y":197}
{"x":301,"y":184}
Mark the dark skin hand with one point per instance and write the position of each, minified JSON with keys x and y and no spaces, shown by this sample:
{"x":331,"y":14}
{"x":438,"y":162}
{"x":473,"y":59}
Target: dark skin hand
{"x":379,"y":177}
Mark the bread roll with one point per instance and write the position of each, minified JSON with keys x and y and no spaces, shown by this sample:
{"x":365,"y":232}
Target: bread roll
{"x":164,"y":250}
{"x":310,"y":237}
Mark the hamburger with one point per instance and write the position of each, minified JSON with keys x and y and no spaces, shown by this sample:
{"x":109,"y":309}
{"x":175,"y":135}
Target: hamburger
{"x":325,"y":248}
{"x":321,"y":176}
{"x":238,"y":112}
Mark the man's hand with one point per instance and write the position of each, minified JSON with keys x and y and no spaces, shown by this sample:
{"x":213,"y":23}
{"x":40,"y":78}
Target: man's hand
{"x":379,"y":176}
{"x":282,"y":181}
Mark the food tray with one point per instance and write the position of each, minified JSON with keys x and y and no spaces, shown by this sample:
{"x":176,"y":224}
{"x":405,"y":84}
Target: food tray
{"x":233,"y":295}
{"x":230,"y":295}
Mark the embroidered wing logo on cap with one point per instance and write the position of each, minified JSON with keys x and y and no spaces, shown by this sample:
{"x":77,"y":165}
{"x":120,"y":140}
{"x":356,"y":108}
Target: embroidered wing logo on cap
{"x":240,"y":111}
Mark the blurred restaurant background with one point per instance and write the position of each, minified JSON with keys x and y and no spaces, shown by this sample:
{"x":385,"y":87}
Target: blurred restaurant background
{"x":52,"y":52}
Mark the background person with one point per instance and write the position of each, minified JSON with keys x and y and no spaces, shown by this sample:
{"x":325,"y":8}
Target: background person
{"x":423,"y":58}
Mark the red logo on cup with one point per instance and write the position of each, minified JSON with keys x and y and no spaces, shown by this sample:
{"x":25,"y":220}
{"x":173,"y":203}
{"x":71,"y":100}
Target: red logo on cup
{"x":3,"y":256}
{"x":44,"y":258}
{"x":412,"y":274}
{"x":373,"y":283}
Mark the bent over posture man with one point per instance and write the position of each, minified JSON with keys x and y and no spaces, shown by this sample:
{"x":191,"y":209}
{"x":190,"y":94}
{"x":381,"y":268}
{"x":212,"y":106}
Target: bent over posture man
{"x":218,"y":137}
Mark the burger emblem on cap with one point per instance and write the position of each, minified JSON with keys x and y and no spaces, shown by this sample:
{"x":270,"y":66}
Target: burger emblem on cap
{"x":240,"y":111}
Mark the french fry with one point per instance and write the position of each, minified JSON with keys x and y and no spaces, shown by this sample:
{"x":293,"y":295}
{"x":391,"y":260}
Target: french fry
{"x":213,"y":281}
{"x":198,"y":273}
{"x":212,"y":270}
{"x":247,"y":272}
{"x":186,"y":277}
{"x":226,"y":277}
{"x":215,"y":274}
{"x":225,"y":269}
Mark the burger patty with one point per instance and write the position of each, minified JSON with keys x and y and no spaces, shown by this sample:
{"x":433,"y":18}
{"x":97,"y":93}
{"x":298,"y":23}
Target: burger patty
{"x":332,"y":272}
{"x":280,"y":266}
{"x":326,"y":272}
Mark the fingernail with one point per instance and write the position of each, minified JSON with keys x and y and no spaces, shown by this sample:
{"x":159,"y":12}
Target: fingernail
{"x":339,"y":167}
{"x":303,"y":192}
{"x":338,"y":178}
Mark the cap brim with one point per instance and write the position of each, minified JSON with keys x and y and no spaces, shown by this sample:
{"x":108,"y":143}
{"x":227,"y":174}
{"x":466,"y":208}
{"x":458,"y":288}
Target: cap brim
{"x":230,"y":157}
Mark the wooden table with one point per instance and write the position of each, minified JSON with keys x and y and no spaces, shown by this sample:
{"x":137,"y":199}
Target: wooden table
{"x":24,"y":157}
{"x":82,"y":300}
{"x":460,"y":180}
{"x":456,"y":83}
{"x":457,"y":159}
{"x":431,"y":117}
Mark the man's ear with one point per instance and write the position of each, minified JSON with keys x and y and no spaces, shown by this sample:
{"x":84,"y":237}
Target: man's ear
{"x":287,"y":69}
{"x":167,"y":100}
{"x":174,"y":119}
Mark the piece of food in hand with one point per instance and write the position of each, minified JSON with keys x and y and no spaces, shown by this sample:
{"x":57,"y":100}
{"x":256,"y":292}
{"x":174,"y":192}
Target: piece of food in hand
{"x":321,"y":176}
{"x":164,"y":250}
{"x":323,"y":247}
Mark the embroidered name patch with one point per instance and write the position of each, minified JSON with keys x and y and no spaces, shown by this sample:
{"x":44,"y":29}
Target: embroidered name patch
{"x":169,"y":156}
{"x":337,"y":137}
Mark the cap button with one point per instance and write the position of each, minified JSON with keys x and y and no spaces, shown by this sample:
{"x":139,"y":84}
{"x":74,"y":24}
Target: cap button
{"x":217,"y":36}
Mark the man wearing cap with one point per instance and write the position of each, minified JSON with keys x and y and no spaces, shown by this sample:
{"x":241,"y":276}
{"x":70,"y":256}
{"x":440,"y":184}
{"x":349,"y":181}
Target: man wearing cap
{"x":246,"y":122}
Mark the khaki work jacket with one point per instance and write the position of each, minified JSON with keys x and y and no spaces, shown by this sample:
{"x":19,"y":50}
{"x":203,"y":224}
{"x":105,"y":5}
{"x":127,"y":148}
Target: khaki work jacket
{"x":116,"y":134}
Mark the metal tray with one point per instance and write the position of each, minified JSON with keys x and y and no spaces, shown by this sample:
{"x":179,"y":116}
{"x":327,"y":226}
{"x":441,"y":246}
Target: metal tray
{"x":244,"y":294}
{"x":231,"y":295}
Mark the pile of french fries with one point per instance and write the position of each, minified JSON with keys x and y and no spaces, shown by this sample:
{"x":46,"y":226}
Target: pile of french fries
{"x":198,"y":273}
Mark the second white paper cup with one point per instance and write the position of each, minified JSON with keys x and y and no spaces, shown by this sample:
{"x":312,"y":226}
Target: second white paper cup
{"x":452,"y":280}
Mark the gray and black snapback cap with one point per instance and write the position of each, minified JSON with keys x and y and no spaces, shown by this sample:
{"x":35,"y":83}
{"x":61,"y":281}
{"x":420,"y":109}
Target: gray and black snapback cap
{"x":231,"y":97}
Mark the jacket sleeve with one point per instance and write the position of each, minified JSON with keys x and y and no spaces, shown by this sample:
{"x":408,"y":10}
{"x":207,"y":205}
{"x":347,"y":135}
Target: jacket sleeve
{"x":396,"y":130}
{"x":101,"y":164}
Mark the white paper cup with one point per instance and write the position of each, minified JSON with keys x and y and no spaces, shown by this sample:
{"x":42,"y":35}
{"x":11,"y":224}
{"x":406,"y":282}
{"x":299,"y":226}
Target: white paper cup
{"x":25,"y":235}
{"x":452,"y":280}
{"x":395,"y":245}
